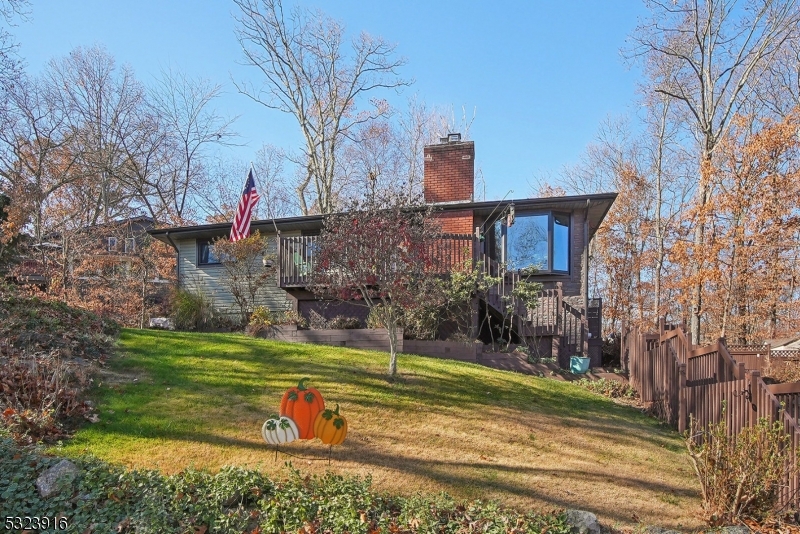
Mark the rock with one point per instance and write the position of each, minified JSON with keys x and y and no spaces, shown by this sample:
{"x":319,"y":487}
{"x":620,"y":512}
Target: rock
{"x":581,"y":522}
{"x":659,"y":530}
{"x":51,"y":481}
{"x":738,"y":529}
{"x":164,"y":323}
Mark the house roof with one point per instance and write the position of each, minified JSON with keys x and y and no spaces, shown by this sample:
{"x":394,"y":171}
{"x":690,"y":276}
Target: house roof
{"x":597,"y":204}
{"x":784,"y":342}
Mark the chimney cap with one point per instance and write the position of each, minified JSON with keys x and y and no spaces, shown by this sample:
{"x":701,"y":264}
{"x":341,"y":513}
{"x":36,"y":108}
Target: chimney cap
{"x":451,"y":138}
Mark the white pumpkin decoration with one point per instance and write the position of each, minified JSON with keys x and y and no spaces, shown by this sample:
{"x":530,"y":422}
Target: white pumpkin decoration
{"x":279,"y":430}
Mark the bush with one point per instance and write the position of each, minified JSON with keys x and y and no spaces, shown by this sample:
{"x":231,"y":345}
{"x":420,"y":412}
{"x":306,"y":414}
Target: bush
{"x":38,"y":394}
{"x":263,"y":318}
{"x":193,"y":311}
{"x":421,"y":322}
{"x":377,"y":317}
{"x":740,"y":476}
{"x":613,"y":389}
{"x":110,"y":499}
{"x":294,"y":318}
{"x":343,"y":322}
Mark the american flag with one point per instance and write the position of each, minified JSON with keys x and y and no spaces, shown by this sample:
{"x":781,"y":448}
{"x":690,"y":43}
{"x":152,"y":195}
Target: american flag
{"x":241,"y":221}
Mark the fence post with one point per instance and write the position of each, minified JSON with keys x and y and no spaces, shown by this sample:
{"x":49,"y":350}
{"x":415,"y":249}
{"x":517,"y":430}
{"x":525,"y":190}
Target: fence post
{"x":682,"y":408}
{"x":560,"y":309}
{"x":623,"y":344}
{"x":279,"y":258}
{"x":662,"y":323}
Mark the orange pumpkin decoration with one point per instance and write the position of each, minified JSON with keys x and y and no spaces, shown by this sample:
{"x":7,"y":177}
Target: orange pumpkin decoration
{"x":330,"y":427}
{"x":302,"y":404}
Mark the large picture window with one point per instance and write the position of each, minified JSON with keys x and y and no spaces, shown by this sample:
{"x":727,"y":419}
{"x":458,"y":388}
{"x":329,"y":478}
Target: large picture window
{"x":537,"y":240}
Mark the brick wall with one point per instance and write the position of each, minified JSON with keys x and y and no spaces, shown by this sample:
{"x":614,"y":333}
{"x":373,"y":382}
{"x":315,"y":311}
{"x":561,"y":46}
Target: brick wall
{"x":456,"y":222}
{"x":449,"y":172}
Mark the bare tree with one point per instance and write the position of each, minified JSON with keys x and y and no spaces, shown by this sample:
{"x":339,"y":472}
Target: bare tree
{"x":102,"y":106}
{"x":10,"y":67}
{"x":36,"y":158}
{"x":191,"y":128}
{"x":708,"y":56}
{"x":309,"y":73}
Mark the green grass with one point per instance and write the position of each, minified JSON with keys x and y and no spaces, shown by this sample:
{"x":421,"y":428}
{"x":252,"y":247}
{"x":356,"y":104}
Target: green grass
{"x":199,"y":400}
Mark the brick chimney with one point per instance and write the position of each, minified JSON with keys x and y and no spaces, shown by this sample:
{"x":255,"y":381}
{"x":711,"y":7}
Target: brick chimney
{"x":449,"y":170}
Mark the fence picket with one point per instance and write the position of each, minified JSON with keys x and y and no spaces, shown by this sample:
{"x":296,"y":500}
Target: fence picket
{"x":686,"y":383}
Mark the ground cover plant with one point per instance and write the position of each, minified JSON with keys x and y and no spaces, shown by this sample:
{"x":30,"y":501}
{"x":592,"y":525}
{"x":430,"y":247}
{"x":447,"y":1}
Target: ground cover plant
{"x":174,"y":400}
{"x":105,"y":498}
{"x":613,"y":389}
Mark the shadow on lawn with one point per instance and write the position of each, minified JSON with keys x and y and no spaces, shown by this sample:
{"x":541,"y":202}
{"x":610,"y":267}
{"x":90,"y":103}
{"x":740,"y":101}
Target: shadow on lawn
{"x":422,"y":380}
{"x":430,"y":383}
{"x":454,"y":473}
{"x":426,"y":384}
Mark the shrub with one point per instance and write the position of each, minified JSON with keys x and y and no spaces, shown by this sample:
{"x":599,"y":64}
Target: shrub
{"x":613,"y":389}
{"x":740,"y":476}
{"x":292,"y":317}
{"x":343,"y":322}
{"x":377,"y":317}
{"x":420,"y":322}
{"x":263,"y":318}
{"x":782,"y":372}
{"x":108,"y":498}
{"x":38,"y":393}
{"x":192,"y":311}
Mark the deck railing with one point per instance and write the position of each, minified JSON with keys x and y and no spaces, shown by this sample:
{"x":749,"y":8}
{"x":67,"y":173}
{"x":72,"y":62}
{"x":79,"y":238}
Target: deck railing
{"x":297,"y":256}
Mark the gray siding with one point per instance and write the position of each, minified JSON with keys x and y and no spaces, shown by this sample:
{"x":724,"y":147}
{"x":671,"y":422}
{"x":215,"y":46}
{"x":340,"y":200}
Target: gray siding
{"x":209,"y":280}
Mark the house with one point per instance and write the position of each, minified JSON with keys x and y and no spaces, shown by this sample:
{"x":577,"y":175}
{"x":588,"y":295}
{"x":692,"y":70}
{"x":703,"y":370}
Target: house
{"x":551,"y":235}
{"x":109,"y":268}
{"x":109,"y":246}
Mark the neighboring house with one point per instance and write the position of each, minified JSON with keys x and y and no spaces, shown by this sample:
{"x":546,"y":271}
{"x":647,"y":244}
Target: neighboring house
{"x":785,"y":343}
{"x":551,"y":234}
{"x":105,"y":267}
{"x":107,"y":246}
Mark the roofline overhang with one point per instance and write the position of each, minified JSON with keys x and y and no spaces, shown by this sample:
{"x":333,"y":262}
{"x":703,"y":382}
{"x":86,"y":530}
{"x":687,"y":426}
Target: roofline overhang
{"x":484,"y":208}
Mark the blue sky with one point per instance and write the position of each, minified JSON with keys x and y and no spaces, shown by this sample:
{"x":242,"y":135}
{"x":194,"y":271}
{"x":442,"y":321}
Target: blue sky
{"x":542,"y":75}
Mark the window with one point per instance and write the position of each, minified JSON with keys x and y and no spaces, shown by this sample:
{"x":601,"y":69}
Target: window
{"x":130,"y":245}
{"x":205,"y":253}
{"x":539,"y":240}
{"x":112,"y":243}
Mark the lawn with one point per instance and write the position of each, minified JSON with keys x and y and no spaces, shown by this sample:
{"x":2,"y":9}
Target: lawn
{"x":174,"y":400}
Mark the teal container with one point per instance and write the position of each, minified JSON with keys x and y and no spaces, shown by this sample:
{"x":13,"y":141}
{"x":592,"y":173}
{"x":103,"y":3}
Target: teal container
{"x":578,"y":365}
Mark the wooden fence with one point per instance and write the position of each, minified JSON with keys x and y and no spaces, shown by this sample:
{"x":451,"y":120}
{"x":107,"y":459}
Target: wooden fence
{"x":682,"y":383}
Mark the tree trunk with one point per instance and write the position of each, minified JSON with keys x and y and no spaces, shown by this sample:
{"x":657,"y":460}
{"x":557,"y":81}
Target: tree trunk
{"x":391,"y":328}
{"x":698,"y":242}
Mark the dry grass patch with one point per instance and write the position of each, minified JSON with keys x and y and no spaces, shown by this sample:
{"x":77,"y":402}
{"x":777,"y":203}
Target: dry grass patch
{"x":471,"y":431}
